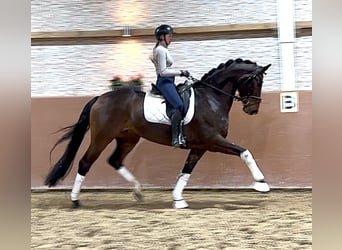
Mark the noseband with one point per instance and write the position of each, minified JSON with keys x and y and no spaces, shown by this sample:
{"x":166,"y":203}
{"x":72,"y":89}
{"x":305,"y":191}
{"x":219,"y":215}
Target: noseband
{"x":246,"y":99}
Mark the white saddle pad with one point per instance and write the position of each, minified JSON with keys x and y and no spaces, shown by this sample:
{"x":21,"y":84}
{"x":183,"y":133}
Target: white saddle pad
{"x":155,"y":109}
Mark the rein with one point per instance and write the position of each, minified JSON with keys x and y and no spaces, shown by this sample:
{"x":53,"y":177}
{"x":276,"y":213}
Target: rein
{"x":244,"y":99}
{"x":217,"y":89}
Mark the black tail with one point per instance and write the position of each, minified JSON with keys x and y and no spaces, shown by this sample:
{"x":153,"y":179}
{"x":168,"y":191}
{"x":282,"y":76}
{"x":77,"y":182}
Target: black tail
{"x":76,"y":134}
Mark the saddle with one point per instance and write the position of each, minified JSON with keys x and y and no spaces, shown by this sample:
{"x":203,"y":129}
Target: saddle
{"x":184,"y":91}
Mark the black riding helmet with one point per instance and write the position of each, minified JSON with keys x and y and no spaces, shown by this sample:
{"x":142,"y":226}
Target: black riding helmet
{"x":163,"y":30}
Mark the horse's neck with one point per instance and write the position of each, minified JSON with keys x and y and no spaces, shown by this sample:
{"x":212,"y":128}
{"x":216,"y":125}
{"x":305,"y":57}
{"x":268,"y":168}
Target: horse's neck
{"x":225,"y":100}
{"x":231,"y":89}
{"x":228,"y":86}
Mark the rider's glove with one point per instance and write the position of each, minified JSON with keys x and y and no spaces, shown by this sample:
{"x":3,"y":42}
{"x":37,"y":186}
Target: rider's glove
{"x":185,"y":73}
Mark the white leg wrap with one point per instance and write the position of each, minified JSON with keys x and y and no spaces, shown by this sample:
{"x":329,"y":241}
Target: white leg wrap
{"x":180,"y":185}
{"x":261,"y":186}
{"x":127,"y":175}
{"x":124,"y":172}
{"x":77,"y":187}
{"x":247,"y":157}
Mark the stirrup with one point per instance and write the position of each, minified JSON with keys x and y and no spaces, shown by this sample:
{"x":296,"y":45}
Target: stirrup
{"x":182,"y":141}
{"x":179,"y":142}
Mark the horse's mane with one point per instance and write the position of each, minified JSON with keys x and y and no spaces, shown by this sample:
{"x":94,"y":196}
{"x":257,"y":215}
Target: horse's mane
{"x":206,"y":76}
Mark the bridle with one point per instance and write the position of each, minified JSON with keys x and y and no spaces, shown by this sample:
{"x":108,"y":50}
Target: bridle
{"x":244,"y":99}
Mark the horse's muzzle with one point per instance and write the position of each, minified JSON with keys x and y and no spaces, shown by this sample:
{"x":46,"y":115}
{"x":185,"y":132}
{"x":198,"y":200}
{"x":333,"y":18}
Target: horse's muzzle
{"x":251,"y":106}
{"x":249,"y":110}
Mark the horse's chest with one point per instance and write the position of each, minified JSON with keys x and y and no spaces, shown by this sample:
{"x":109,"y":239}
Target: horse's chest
{"x":223,"y":125}
{"x":214,"y":105}
{"x":217,"y":122}
{"x":219,"y":115}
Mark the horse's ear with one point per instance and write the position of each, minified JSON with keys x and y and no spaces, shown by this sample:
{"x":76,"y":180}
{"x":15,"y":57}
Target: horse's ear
{"x":266,"y":68}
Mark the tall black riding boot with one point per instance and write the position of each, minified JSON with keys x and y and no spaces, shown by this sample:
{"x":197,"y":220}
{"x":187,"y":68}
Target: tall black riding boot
{"x":177,"y":134}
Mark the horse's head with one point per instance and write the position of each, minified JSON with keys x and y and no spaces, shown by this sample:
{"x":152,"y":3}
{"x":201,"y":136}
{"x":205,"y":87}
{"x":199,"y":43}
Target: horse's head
{"x":249,"y":88}
{"x":243,"y":76}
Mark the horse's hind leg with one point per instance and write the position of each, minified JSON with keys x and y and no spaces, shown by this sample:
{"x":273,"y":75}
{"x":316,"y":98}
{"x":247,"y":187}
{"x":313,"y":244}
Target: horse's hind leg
{"x":92,"y":153}
{"x":177,"y":193}
{"x":124,"y":146}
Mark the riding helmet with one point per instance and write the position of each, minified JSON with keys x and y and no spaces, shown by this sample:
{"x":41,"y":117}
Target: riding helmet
{"x":162,"y":30}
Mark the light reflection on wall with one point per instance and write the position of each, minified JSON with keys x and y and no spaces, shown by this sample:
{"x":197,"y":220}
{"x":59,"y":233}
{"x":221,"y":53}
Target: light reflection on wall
{"x":130,"y":61}
{"x":128,"y":12}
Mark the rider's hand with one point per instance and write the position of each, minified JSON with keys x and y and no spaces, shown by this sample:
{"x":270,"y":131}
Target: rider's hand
{"x":185,"y":73}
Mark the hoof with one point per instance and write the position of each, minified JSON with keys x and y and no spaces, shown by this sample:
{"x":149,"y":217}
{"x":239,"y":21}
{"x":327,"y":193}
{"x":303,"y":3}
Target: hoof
{"x":76,"y":204}
{"x":261,"y":186}
{"x":180,"y":204}
{"x":138,"y":196}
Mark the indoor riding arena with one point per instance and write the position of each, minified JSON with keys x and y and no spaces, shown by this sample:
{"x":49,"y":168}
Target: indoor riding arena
{"x":78,"y":48}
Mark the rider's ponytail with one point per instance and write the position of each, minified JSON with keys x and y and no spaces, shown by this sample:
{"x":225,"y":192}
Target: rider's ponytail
{"x":157,"y":44}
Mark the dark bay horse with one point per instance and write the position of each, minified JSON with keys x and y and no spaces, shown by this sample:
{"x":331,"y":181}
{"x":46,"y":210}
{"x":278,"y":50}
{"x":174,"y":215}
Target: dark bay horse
{"x":119,"y":115}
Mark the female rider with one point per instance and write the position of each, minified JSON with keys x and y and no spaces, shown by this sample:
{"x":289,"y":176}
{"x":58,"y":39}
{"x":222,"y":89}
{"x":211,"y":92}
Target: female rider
{"x":163,"y":61}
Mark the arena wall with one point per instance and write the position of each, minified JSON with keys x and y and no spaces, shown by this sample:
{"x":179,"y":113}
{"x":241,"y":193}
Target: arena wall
{"x":280,"y":142}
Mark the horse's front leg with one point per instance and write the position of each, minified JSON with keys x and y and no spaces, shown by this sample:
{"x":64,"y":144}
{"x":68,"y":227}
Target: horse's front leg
{"x":177,"y":193}
{"x":223,"y":146}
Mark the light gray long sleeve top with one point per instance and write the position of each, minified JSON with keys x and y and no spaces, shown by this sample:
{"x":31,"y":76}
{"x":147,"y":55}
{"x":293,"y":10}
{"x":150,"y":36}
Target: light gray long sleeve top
{"x":163,"y":61}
